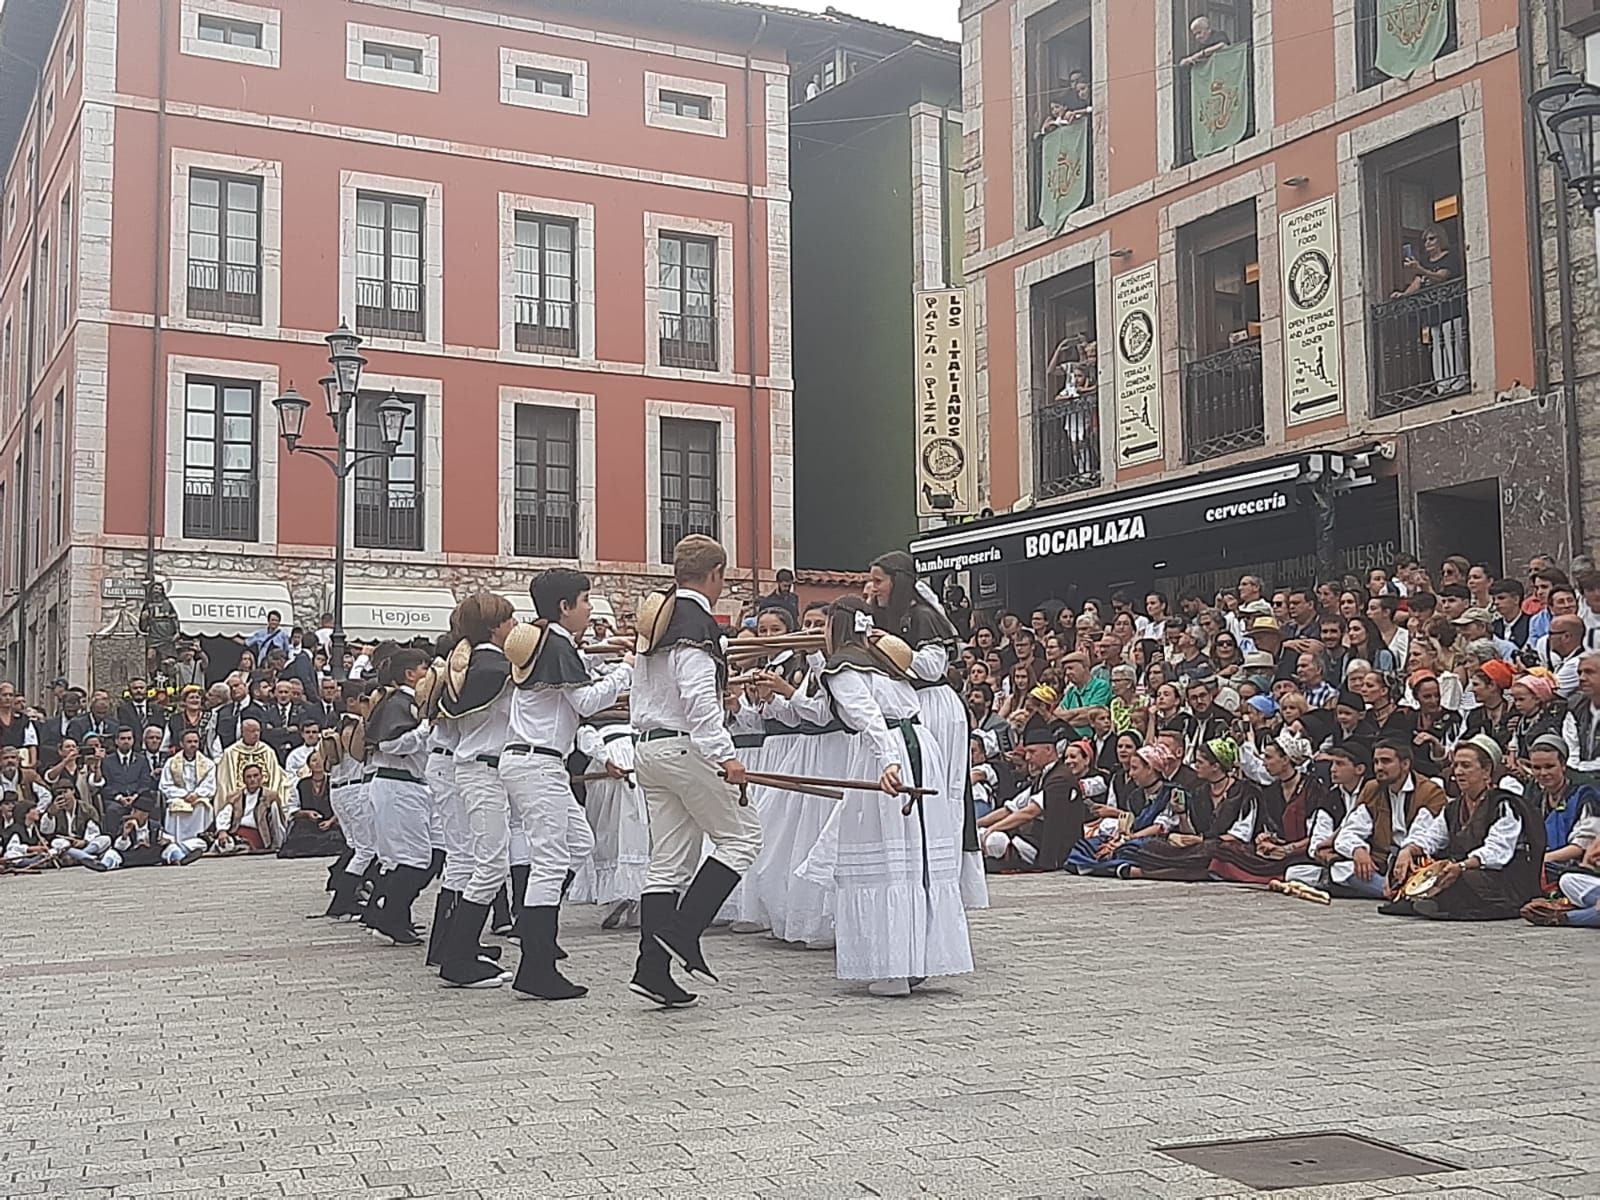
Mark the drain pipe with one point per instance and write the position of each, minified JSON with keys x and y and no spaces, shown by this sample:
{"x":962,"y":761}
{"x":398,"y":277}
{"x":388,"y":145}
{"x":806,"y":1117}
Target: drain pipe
{"x":753,"y":456}
{"x":158,"y":283}
{"x":30,"y":366}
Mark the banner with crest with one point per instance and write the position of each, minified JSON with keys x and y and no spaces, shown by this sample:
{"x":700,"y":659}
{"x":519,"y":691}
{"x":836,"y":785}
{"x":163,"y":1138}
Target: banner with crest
{"x":1219,"y":99}
{"x":1410,"y":35}
{"x":1064,"y":168}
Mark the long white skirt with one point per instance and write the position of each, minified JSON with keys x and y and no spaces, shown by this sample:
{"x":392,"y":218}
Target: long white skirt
{"x":800,"y":910}
{"x":744,"y":905}
{"x":615,"y":871}
{"x":897,"y":879}
{"x":945,"y":721}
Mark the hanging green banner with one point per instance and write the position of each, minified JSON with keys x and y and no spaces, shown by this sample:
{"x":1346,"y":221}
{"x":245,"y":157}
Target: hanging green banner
{"x":1219,"y":99}
{"x":1064,"y":166}
{"x":1410,"y":35}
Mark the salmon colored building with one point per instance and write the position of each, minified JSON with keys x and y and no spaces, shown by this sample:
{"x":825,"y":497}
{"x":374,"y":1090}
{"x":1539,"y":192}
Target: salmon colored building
{"x":1221,"y":358}
{"x":561,"y":229}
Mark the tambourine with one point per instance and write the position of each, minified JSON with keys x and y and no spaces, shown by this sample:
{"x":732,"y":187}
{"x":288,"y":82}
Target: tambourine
{"x":1426,"y":881}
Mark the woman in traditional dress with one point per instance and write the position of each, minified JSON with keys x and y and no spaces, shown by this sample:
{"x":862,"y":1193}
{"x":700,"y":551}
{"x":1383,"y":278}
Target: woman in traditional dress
{"x":313,"y":829}
{"x":613,"y":875}
{"x":907,"y":608}
{"x":1170,"y":835}
{"x":897,"y":877}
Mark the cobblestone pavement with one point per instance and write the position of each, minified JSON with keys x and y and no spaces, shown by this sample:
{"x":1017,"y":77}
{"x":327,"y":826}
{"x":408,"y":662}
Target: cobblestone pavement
{"x":264,"y":1055}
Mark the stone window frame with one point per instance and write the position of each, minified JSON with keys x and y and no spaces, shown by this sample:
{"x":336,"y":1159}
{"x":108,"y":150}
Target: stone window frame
{"x":583,"y":403}
{"x":1167,"y":74}
{"x":727,"y":472}
{"x":356,"y":37}
{"x":1022,"y":142}
{"x":1091,"y":252}
{"x":655,"y":224}
{"x":714,"y":126}
{"x":1346,"y":45}
{"x":270,"y":232}
{"x":69,"y":61}
{"x":432,"y":450}
{"x":265,"y":376}
{"x":1464,"y":107}
{"x":431,"y":193}
{"x":1259,"y":186}
{"x":512,"y":58}
{"x":584,"y":294}
{"x":270,"y":19}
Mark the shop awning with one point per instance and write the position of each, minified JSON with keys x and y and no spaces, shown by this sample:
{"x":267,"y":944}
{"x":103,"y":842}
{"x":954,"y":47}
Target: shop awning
{"x":1195,"y":506}
{"x":523,"y":603}
{"x":398,"y":613}
{"x":230,"y":607}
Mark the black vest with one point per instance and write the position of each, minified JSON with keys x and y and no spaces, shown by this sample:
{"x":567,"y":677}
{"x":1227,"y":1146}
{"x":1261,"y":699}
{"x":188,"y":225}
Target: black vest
{"x":692,"y":625}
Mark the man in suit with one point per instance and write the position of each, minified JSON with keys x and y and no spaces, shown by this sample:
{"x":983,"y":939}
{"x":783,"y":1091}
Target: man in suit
{"x":281,"y":729}
{"x":327,"y":707}
{"x":125,"y":776}
{"x":240,"y":707}
{"x":138,"y":710}
{"x":54,"y":730}
{"x":98,"y":720}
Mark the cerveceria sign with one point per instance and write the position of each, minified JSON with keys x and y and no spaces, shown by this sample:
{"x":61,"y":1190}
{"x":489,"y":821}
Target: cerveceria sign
{"x":1035,"y":535}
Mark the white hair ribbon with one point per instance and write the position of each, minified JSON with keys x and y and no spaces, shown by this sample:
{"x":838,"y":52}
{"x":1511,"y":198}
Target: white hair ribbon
{"x":863,"y":623}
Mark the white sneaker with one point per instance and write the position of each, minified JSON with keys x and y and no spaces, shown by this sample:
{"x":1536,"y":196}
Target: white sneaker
{"x":890,"y":988}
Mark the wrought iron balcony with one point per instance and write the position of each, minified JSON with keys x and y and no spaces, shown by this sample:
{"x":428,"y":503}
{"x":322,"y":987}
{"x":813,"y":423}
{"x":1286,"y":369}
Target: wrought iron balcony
{"x":678,"y":522}
{"x":544,"y":528}
{"x":689,"y":342}
{"x":224,"y":293}
{"x":1066,"y":445}
{"x":225,"y":509}
{"x":387,"y":518}
{"x":546,"y":326}
{"x":1422,"y":347}
{"x":1222,"y":403}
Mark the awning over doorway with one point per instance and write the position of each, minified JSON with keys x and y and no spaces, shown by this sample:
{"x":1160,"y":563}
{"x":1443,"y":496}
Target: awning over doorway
{"x":228,"y":607}
{"x":400,"y":613}
{"x":522,"y":602}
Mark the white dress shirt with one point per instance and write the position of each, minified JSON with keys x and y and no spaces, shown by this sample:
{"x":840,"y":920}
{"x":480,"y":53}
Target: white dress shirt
{"x":408,"y":752}
{"x":487,"y":730}
{"x":247,"y":805}
{"x":1499,"y":844}
{"x":677,"y":689}
{"x":549,"y":716}
{"x":1577,"y":760}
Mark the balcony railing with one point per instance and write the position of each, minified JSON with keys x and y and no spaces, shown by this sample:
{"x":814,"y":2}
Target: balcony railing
{"x":387,"y":519}
{"x":1066,"y":441}
{"x":1424,"y":351}
{"x":389,"y":309}
{"x":224,"y":293}
{"x":545,"y":327}
{"x":689,"y":342}
{"x":678,"y":523}
{"x":544,"y":528}
{"x":219,"y":510}
{"x":1222,"y":403}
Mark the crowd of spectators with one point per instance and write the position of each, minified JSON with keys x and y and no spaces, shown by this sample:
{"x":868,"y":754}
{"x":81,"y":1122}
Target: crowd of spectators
{"x":1339,"y":734}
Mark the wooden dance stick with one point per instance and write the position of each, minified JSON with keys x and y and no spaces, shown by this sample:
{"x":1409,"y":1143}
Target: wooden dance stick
{"x":602,"y":776}
{"x":758,"y":780}
{"x":1299,"y":891}
{"x":797,"y":782}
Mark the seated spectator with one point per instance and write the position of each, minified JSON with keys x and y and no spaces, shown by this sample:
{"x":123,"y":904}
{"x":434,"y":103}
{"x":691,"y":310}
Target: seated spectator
{"x":188,"y":785}
{"x":1310,"y":673}
{"x":24,"y":845}
{"x":251,"y":818}
{"x":73,"y":827}
{"x":1535,"y":711}
{"x":1169,"y":836}
{"x":141,"y":841}
{"x":1364,"y":643}
{"x":313,"y":829}
{"x":248,"y":751}
{"x":1571,"y":807}
{"x":1438,"y":728}
{"x":125,"y":775}
{"x":1474,"y":625}
{"x":138,"y":708}
{"x":1351,"y":726}
{"x":297,"y":765}
{"x":1490,"y":839}
{"x":1558,"y":651}
{"x":193,"y":715}
{"x":154,"y":736}
{"x":1121,"y":790}
{"x":1247,"y":840}
{"x":991,"y":774}
{"x":1493,"y":717}
{"x":54,"y":730}
{"x":1511,"y":624}
{"x":1083,"y":693}
{"x":17,"y":730}
{"x":31,"y":792}
{"x":1010,"y":834}
{"x":1581,"y":726}
{"x":1382,"y":695}
{"x":1127,"y":708}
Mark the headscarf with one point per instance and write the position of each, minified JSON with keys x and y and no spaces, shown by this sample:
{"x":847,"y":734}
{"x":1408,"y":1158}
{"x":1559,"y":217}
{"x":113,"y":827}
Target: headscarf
{"x":1046,"y":693}
{"x":1295,"y":748}
{"x":1158,"y":758}
{"x":1223,"y":751}
{"x":1499,"y":673}
{"x":1265,"y":705}
{"x":1543,"y":690}
{"x":1490,"y":748}
{"x":1550,"y":741}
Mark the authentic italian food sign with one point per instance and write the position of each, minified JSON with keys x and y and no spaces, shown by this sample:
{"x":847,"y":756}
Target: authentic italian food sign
{"x":947,"y":436}
{"x":1308,"y":250}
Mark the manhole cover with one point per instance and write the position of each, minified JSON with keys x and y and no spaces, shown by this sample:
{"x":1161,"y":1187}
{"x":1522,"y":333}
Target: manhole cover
{"x":1304,"y":1160}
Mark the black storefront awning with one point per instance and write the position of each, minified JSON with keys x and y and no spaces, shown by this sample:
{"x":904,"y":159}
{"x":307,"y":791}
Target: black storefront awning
{"x":1194,"y":507}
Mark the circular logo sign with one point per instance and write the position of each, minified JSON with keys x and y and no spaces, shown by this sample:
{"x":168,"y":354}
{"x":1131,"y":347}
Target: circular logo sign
{"x":943,"y":459}
{"x":1137,"y":337}
{"x":1310,"y":278}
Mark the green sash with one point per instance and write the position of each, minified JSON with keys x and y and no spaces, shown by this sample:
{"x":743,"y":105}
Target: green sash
{"x":1064,"y":168}
{"x":1219,"y":99}
{"x":1410,"y":35}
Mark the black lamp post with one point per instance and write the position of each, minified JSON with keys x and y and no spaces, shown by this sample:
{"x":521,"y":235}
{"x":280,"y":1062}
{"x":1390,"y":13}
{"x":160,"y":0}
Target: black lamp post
{"x":1568,"y":111}
{"x":339,"y":391}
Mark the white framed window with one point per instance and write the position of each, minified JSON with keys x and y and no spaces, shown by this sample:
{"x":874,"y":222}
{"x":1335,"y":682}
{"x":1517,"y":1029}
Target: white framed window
{"x":222,"y":451}
{"x":11,"y":212}
{"x":687,"y":105}
{"x":544,"y":81}
{"x":49,"y":105}
{"x":702,"y":479}
{"x":526,"y":528}
{"x":232,"y":31}
{"x":381,"y":505}
{"x":67,"y":231}
{"x":392,"y":57}
{"x":69,"y":62}
{"x":227,"y":240}
{"x":391,"y":257}
{"x":688,"y":296}
{"x":547,"y":286}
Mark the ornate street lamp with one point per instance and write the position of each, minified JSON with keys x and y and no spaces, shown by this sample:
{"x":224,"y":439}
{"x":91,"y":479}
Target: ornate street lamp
{"x":340,"y":390}
{"x":1568,"y":116}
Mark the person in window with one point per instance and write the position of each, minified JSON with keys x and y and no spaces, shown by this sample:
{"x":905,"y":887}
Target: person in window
{"x":1079,"y":97}
{"x":1440,"y":264}
{"x":1205,"y":39}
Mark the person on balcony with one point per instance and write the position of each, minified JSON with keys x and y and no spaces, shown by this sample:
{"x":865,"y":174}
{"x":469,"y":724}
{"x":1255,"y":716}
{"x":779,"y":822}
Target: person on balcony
{"x":1438,"y":265}
{"x":1207,"y":41}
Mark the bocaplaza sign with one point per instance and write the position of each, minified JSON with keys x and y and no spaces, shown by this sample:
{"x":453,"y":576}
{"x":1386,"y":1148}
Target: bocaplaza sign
{"x":1085,"y":537}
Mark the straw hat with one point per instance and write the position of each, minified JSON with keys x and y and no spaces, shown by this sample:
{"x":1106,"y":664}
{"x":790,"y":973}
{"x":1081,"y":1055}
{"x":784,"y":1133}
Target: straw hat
{"x":895,"y":652}
{"x":522,"y":649}
{"x":456,"y":666}
{"x":427,"y":689}
{"x":655,"y":613}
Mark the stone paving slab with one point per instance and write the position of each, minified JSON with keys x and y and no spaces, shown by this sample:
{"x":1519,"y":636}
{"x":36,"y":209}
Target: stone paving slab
{"x":267,"y":1055}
